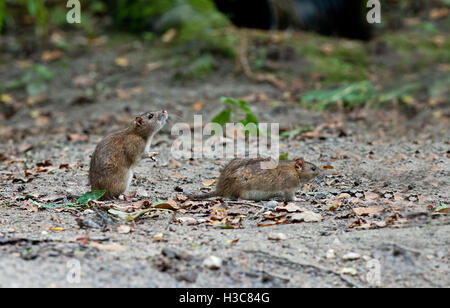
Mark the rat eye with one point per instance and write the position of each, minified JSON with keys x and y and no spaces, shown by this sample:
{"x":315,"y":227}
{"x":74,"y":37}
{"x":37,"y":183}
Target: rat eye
{"x":313,"y":168}
{"x":150,"y":116}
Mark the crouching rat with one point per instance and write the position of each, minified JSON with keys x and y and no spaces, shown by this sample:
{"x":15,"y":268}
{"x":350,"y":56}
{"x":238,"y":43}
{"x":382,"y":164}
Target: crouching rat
{"x":245,"y":179}
{"x":116,"y":156}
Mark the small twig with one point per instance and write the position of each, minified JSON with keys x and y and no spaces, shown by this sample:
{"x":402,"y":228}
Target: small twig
{"x":243,"y":61}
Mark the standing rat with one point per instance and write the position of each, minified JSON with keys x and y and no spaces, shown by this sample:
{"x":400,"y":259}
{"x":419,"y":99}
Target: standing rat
{"x":245,"y":179}
{"x":116,"y":156}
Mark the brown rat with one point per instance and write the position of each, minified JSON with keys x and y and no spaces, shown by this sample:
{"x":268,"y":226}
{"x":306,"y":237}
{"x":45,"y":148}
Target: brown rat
{"x":245,"y":179}
{"x":115,"y":157}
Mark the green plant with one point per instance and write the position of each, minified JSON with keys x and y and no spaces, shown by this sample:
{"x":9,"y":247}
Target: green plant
{"x":196,"y":23}
{"x":2,"y":13}
{"x":225,"y":115}
{"x":353,"y":95}
{"x":80,"y":203}
{"x":35,"y":80}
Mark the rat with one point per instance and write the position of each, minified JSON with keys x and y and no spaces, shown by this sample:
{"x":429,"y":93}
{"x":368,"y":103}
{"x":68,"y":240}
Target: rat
{"x":116,"y":156}
{"x":243,"y":178}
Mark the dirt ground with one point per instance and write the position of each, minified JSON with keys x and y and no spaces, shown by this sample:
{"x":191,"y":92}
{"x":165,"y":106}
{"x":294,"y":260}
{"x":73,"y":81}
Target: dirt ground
{"x":392,"y":165}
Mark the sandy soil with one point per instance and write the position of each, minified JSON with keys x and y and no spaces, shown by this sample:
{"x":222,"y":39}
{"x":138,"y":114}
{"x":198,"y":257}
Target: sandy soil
{"x":386,"y":161}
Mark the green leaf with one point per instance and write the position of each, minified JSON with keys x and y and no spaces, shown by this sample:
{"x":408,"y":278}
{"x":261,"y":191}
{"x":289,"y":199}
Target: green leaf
{"x":330,"y":207}
{"x":223,"y":117}
{"x":36,"y":87}
{"x":2,"y":14}
{"x":352,"y":95}
{"x":32,"y":6}
{"x":284,"y":156}
{"x":121,"y":215}
{"x":443,"y":208}
{"x":129,"y":216}
{"x":90,"y":196}
{"x":158,"y":203}
{"x":292,"y":133}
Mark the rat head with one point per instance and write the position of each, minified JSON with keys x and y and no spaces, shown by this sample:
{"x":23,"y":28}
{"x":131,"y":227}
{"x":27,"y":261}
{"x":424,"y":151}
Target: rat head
{"x":306,"y":171}
{"x":149,"y":123}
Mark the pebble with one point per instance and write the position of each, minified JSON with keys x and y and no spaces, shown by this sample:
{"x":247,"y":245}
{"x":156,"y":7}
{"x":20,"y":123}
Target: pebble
{"x":348,"y":271}
{"x":212,"y":262}
{"x":277,"y":236}
{"x":351,"y":256}
{"x":331,"y":254}
{"x":272,"y":204}
{"x":142,"y":192}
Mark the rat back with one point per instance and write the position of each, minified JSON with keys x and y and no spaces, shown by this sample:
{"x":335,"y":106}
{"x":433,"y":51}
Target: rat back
{"x":244,"y":178}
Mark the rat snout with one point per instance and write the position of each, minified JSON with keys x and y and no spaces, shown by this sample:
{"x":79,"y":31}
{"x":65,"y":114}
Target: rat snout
{"x":163,"y":117}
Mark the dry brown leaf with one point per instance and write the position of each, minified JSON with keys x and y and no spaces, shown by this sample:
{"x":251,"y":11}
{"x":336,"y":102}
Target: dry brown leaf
{"x":170,"y":204}
{"x":307,"y":216}
{"x":290,"y":207}
{"x":51,"y":55}
{"x":106,"y":247}
{"x":121,"y":61}
{"x":364,"y":211}
{"x":208,"y":183}
{"x":149,"y":67}
{"x":129,"y":93}
{"x":438,"y":13}
{"x":173,"y":164}
{"x":198,"y":106}
{"x":169,"y":35}
{"x":178,"y":176}
{"x":77,"y":137}
{"x":83,"y":80}
{"x":371,"y":196}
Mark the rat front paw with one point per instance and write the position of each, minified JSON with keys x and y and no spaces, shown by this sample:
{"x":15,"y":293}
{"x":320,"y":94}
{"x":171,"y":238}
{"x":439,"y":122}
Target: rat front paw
{"x":152,"y":155}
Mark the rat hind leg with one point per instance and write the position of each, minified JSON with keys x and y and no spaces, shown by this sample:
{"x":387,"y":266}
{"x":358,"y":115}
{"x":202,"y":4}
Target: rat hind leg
{"x":114,"y":185}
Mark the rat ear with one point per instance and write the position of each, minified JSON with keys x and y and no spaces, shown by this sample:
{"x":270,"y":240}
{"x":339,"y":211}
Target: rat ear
{"x":299,"y":163}
{"x":139,"y":121}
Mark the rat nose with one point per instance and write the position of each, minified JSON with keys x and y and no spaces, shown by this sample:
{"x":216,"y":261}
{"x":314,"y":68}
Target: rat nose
{"x":165,"y":112}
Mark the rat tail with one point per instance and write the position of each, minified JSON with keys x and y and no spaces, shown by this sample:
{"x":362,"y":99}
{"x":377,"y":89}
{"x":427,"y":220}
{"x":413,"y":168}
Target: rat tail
{"x":203,"y":196}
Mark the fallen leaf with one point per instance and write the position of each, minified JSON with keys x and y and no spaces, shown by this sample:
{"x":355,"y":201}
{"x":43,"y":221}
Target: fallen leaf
{"x":188,"y":221}
{"x":77,"y":137}
{"x":443,"y":208}
{"x":169,"y":35}
{"x":364,"y":211}
{"x":83,"y":80}
{"x":149,"y":67}
{"x":438,"y":13}
{"x":111,"y":247}
{"x":51,"y":55}
{"x":371,"y":196}
{"x":307,"y":216}
{"x":208,"y":183}
{"x":290,"y":207}
{"x":170,"y":204}
{"x":173,"y":164}
{"x":129,"y":93}
{"x":198,"y":106}
{"x":56,"y":229}
{"x":121,"y":61}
